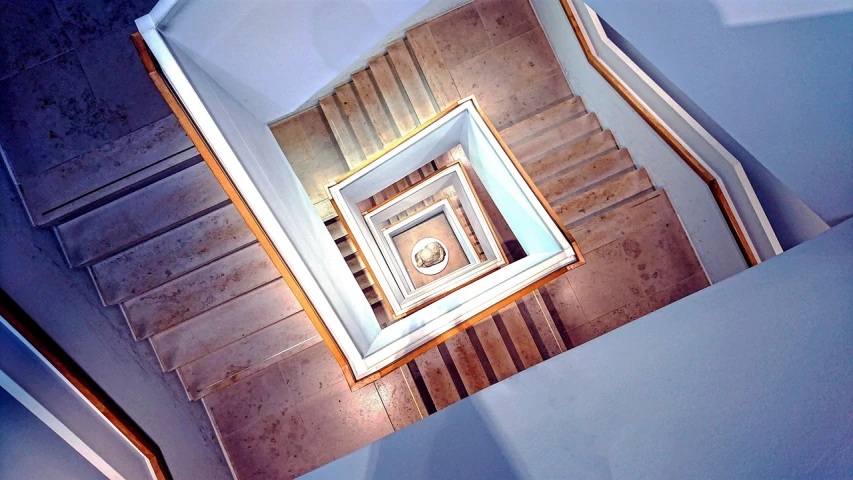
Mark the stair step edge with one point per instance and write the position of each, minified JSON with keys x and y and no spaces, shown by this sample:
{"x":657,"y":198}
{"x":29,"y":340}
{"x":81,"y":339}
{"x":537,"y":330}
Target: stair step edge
{"x":575,"y":170}
{"x":575,"y":103}
{"x":267,"y":292}
{"x":644,"y":178}
{"x":568,"y":143}
{"x":114,"y":300}
{"x":106,"y":165}
{"x":119,"y":188}
{"x":230,"y":377}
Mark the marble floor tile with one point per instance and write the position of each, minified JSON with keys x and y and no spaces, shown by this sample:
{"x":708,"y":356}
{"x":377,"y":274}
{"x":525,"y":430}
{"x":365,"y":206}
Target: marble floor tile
{"x":460,"y":35}
{"x":275,"y":447}
{"x":86,"y":20}
{"x":49,"y":115}
{"x":676,"y":292}
{"x":610,"y":321}
{"x":30,"y":33}
{"x":249,"y":355}
{"x":339,"y":421}
{"x":485,"y":76}
{"x":506,"y":19}
{"x":292,"y":140}
{"x":318,"y":131}
{"x":404,"y":407}
{"x":248,"y":401}
{"x":126,"y":95}
{"x":311,"y":371}
{"x":528,"y":59}
{"x":559,"y":299}
{"x":543,"y":94}
{"x":503,"y":113}
{"x":660,"y":255}
{"x":606,"y":282}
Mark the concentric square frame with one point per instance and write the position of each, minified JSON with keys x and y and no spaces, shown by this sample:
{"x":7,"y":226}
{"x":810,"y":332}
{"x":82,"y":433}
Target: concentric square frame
{"x":403,"y":298}
{"x":550,"y":249}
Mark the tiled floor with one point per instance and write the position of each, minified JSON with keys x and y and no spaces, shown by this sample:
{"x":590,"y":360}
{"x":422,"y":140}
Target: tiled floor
{"x":73,"y":82}
{"x":299,"y":414}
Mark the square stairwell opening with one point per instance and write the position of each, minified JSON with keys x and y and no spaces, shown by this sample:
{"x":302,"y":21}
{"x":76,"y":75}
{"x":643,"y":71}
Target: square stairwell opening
{"x":270,"y":188}
{"x":542,"y":247}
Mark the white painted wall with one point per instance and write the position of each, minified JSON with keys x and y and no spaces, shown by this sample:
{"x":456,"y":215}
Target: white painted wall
{"x":708,"y":231}
{"x":30,"y":449}
{"x":792,"y":220}
{"x":275,"y":55}
{"x":749,"y":378}
{"x":781,"y":87}
{"x":753,"y":12}
{"x":38,"y":386}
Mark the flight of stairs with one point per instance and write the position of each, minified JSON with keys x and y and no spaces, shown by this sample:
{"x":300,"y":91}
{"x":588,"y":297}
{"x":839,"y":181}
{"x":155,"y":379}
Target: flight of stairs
{"x":593,"y":185}
{"x":162,"y":241}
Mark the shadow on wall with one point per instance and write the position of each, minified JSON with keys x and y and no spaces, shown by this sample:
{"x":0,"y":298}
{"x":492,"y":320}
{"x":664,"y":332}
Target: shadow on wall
{"x":792,"y":220}
{"x":434,"y":452}
{"x":781,"y":88}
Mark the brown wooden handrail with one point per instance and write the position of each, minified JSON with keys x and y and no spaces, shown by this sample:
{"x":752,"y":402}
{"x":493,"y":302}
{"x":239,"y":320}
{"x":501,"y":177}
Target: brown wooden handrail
{"x":83,"y":383}
{"x":680,"y":149}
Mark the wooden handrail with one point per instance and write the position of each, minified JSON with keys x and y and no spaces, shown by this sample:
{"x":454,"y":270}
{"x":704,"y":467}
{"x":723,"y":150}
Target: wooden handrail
{"x":83,"y":383}
{"x":679,"y":148}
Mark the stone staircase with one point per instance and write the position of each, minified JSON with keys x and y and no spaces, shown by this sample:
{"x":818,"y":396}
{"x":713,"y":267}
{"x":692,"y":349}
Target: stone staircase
{"x":162,"y":241}
{"x":593,"y":186}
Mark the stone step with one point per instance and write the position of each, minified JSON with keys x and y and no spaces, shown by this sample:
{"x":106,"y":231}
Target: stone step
{"x":241,"y":359}
{"x":551,"y":140}
{"x":432,"y":65}
{"x":401,"y":111}
{"x":400,"y":398}
{"x":571,"y":155}
{"x":341,"y":130}
{"x":437,"y":377}
{"x":115,"y":169}
{"x":170,"y":255}
{"x":630,"y":217}
{"x":336,"y":229}
{"x":514,"y":330}
{"x":587,"y":175}
{"x":143,"y":214}
{"x":223,"y":325}
{"x":407,"y":71}
{"x":200,"y":290}
{"x":357,"y":119}
{"x":364,"y":280}
{"x":374,"y":107}
{"x":494,"y":348}
{"x":574,"y":210}
{"x":517,"y":337}
{"x":543,"y":121}
{"x":541,"y":324}
{"x":467,"y":363}
{"x":534,"y":99}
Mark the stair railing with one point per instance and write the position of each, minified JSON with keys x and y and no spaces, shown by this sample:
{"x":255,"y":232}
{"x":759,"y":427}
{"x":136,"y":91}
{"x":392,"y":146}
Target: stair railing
{"x":706,"y":157}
